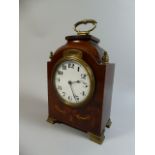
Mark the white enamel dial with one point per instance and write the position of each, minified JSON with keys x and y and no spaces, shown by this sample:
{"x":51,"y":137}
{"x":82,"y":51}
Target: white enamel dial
{"x":72,"y":82}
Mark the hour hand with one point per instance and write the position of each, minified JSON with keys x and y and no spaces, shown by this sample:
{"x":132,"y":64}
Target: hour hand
{"x":80,"y":81}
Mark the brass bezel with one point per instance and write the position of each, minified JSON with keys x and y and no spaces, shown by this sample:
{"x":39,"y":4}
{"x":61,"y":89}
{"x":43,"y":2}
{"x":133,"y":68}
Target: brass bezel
{"x":78,"y":59}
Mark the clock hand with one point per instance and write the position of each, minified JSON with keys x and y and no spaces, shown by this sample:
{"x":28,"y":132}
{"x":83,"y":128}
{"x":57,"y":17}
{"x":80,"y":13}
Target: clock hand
{"x":75,"y":82}
{"x":70,"y":84}
{"x":80,"y":81}
{"x":73,"y":93}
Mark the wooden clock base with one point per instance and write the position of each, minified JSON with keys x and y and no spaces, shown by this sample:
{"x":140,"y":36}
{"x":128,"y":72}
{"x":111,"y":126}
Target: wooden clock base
{"x":92,"y":136}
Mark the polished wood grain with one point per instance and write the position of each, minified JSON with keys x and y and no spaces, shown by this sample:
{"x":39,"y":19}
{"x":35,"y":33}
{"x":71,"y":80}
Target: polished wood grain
{"x":93,"y":116}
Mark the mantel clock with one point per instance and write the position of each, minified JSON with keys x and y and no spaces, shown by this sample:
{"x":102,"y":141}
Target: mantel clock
{"x":80,"y":81}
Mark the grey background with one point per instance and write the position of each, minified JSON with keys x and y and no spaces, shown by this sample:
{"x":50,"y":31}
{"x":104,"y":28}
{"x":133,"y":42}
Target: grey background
{"x":43,"y":26}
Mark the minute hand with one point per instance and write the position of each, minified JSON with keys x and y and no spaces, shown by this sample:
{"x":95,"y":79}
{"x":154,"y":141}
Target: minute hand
{"x":73,"y":92}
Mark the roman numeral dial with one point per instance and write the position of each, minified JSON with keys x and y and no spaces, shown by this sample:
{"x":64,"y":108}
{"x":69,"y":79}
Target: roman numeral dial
{"x":72,"y":82}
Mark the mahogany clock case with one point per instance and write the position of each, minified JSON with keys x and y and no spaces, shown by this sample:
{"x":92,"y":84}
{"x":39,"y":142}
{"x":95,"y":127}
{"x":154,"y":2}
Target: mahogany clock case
{"x":95,"y":115}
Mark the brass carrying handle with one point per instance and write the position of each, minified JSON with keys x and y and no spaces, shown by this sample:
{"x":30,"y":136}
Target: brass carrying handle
{"x":85,"y":21}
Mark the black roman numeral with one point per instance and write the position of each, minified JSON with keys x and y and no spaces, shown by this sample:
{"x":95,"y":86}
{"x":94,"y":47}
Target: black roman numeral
{"x":70,"y":65}
{"x":60,"y":72}
{"x":77,"y":98}
{"x":83,"y":93}
{"x":83,"y":76}
{"x":78,"y":69}
{"x":64,"y":67}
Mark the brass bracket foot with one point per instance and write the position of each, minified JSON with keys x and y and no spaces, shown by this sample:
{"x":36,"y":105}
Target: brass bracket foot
{"x":109,"y":123}
{"x":51,"y":120}
{"x":96,"y":138}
